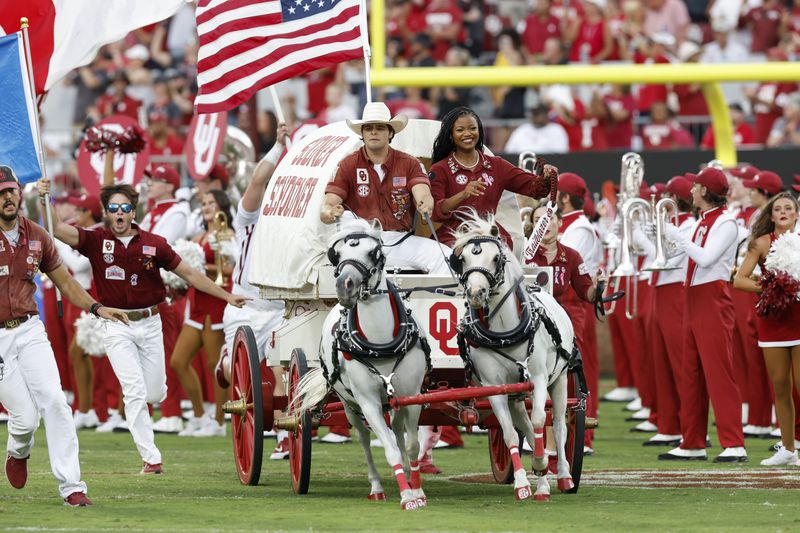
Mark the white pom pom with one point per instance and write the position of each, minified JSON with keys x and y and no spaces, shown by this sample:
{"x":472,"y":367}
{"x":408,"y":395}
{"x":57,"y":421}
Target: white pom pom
{"x":89,"y":333}
{"x":784,"y":255}
{"x":193,"y":254}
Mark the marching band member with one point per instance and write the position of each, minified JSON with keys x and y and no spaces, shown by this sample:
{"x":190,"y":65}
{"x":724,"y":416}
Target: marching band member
{"x":778,"y":333}
{"x":762,"y":185}
{"x":379,"y":182}
{"x":168,"y":218}
{"x":707,"y":371}
{"x":263,"y":316}
{"x":88,"y":214}
{"x":30,"y":387}
{"x":578,"y":233}
{"x":669,"y":298}
{"x":203,"y":325}
{"x":125,"y":264}
{"x":462,"y":176}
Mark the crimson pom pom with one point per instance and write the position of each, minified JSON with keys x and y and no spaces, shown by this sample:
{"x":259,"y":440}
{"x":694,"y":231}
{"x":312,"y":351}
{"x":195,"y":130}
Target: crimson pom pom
{"x":100,"y":139}
{"x":131,"y":141}
{"x":779,"y":290}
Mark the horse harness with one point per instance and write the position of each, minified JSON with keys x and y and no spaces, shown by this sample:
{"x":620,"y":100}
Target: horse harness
{"x":348,"y":337}
{"x":473,"y":330}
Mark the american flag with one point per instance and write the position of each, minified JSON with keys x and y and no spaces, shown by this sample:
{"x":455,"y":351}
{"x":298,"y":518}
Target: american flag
{"x":246,"y":45}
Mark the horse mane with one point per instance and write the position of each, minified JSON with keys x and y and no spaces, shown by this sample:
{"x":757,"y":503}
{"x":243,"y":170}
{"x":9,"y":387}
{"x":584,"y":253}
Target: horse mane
{"x":358,"y":225}
{"x":474,"y":225}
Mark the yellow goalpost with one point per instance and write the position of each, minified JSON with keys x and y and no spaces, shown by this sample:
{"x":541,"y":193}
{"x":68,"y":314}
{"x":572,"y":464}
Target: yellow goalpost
{"x":709,"y":75}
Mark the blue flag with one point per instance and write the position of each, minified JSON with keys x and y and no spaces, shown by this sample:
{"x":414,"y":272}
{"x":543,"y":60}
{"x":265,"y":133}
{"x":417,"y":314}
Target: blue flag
{"x":18,"y":116}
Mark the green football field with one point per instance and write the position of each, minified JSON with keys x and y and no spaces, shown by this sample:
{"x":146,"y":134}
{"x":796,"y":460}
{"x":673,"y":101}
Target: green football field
{"x":624,"y":489}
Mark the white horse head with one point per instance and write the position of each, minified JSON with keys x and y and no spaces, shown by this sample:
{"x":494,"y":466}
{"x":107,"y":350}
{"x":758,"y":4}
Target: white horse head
{"x":481,"y":258}
{"x":356,"y":252}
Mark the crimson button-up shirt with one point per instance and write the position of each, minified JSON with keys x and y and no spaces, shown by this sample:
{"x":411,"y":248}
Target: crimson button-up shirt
{"x":127,"y":277}
{"x":449,"y":177}
{"x":568,"y":269}
{"x":390,"y":201}
{"x":34,"y":251}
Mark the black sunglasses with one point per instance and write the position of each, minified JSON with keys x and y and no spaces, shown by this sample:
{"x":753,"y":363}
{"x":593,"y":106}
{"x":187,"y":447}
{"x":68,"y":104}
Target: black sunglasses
{"x":113,"y":208}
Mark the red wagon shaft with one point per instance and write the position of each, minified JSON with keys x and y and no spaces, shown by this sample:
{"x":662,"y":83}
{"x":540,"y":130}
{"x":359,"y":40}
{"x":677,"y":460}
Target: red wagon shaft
{"x":466,"y":393}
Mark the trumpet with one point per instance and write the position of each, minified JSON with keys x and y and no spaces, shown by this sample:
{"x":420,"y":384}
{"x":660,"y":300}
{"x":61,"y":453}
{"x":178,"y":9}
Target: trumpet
{"x":222,"y":235}
{"x":662,"y":212}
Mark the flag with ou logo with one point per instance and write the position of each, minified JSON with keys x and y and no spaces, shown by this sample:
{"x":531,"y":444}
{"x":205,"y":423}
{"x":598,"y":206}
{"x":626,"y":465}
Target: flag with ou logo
{"x":246,"y":45}
{"x":17,"y":112}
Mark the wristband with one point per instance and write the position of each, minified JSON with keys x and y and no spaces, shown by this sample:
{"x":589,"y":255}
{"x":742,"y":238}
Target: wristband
{"x":274,"y":154}
{"x":94,"y":308}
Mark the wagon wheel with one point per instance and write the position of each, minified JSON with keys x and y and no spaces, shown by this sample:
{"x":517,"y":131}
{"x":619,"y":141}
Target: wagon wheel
{"x":576,"y":424}
{"x":248,"y":416}
{"x":499,"y":457}
{"x":300,"y":439}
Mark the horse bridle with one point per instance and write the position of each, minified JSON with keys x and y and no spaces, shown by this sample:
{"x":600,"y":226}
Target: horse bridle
{"x":494,"y":278}
{"x":366,"y":271}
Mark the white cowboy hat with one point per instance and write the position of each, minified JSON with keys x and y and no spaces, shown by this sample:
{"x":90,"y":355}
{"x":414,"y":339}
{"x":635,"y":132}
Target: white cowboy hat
{"x":378,"y":113}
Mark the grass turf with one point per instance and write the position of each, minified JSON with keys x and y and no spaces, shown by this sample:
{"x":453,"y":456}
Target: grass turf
{"x":201,"y":492}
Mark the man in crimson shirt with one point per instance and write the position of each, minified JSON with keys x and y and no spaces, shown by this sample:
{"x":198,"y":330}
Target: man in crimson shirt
{"x":125,"y":267}
{"x":30,"y":387}
{"x":116,"y":101}
{"x":378,"y":182}
{"x":539,"y":26}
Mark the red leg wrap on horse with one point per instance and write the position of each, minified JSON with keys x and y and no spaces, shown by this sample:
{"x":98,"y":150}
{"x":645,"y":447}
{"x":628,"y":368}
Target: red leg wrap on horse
{"x":401,"y":478}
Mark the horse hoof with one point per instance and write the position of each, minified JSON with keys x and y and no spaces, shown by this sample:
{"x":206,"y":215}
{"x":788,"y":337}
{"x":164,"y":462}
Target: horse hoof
{"x":541,"y":497}
{"x":411,"y":505}
{"x":422,"y":502}
{"x":523,"y":493}
{"x":565,"y":484}
{"x":377,"y":497}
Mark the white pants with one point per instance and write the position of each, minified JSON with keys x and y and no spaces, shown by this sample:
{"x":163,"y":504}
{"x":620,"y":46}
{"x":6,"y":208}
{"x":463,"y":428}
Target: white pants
{"x":264,"y":316}
{"x":136,"y":353}
{"x":30,"y":388}
{"x":416,"y":252}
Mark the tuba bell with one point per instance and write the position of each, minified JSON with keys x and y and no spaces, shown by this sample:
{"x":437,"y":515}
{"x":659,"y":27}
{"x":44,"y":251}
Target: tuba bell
{"x":662,"y":211}
{"x":240,"y":157}
{"x":527,"y":161}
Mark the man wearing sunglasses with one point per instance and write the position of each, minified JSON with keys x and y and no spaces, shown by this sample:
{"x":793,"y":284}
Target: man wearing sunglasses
{"x":168,"y":218}
{"x":125,"y":264}
{"x":30,"y":386}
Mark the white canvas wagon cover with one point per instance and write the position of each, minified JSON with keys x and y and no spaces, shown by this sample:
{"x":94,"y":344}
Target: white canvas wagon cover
{"x":290,"y":241}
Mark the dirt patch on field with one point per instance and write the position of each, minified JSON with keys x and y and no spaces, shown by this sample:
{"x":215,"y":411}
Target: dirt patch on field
{"x":677,"y":479}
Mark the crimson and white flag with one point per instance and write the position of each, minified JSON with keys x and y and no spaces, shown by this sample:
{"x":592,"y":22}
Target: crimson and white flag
{"x":246,"y":45}
{"x":66,"y":34}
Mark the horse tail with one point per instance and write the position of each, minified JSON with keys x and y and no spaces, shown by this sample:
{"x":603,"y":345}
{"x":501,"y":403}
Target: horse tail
{"x":309,"y":392}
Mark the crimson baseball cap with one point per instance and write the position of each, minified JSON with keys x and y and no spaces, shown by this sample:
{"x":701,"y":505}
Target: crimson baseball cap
{"x":89,"y":203}
{"x":680,"y":187}
{"x":765,"y":181}
{"x":589,"y":209}
{"x":572,"y":184}
{"x":690,"y":177}
{"x":220,"y":172}
{"x":714,"y":180}
{"x":166,"y":173}
{"x":8,"y":180}
{"x":746,"y":173}
{"x":796,"y":188}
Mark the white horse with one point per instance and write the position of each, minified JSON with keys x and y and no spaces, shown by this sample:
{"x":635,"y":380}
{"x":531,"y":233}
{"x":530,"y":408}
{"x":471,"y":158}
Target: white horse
{"x":511,"y":336}
{"x":371,"y":350}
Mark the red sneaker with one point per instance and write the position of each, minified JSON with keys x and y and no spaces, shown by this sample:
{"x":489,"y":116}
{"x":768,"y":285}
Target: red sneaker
{"x":151,"y":469}
{"x":77,"y":499}
{"x":17,"y":471}
{"x":219,"y":372}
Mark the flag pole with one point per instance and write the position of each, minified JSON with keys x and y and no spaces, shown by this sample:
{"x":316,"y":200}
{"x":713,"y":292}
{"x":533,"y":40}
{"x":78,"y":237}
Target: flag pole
{"x":23,"y":24}
{"x":362,"y":22}
{"x":279,"y":111}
